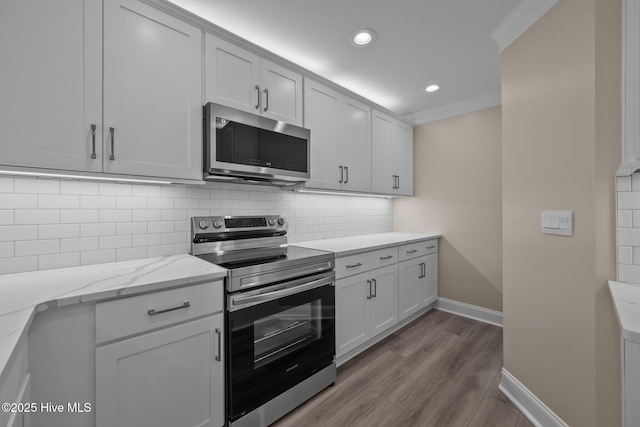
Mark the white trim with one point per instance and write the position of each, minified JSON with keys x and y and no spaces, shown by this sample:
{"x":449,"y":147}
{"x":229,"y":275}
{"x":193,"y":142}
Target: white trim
{"x":456,"y":108}
{"x":471,"y":311}
{"x":532,"y":407}
{"x":519,"y":20}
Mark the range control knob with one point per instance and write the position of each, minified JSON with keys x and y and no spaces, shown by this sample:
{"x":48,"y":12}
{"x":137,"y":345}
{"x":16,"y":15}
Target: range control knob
{"x":217,"y":223}
{"x":271,"y":221}
{"x":280,"y":221}
{"x":202,"y":224}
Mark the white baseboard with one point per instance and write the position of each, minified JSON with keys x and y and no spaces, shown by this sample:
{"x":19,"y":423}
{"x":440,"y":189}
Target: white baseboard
{"x":532,"y":407}
{"x":471,"y":311}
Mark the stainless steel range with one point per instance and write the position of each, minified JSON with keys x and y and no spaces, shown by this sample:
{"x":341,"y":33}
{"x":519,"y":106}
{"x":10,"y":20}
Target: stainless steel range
{"x":280,"y":315}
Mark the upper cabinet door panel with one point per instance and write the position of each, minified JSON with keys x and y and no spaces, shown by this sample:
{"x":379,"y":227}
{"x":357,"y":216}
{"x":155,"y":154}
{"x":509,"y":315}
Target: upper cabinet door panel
{"x":50,"y":83}
{"x":153,"y":96}
{"x":382,"y":153}
{"x":322,"y":118}
{"x":356,"y":144}
{"x":281,"y":93}
{"x":232,"y":75}
{"x":404,"y":158}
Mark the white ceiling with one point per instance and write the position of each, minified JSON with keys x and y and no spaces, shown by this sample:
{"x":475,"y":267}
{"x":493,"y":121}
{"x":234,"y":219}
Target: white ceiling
{"x":418,"y":42}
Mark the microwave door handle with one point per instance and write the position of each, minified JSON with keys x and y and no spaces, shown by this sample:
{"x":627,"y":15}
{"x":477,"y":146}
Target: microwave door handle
{"x":238,"y":302}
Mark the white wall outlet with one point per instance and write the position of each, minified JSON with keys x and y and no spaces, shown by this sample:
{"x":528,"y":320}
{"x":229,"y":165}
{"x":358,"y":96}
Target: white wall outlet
{"x":557,"y":222}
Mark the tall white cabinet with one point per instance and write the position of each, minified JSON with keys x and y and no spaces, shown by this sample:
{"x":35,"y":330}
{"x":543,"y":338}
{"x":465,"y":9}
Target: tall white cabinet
{"x":50,"y":83}
{"x":240,"y":79}
{"x":391,"y":155}
{"x":51,"y":114}
{"x":340,"y":139}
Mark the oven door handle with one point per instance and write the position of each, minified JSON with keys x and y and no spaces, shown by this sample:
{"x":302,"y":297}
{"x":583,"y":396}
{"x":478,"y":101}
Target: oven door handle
{"x":240,"y":301}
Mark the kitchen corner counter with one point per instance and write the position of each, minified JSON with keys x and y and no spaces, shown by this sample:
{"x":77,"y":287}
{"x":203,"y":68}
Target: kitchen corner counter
{"x":344,"y":246}
{"x":22,"y":295}
{"x":626,"y":299}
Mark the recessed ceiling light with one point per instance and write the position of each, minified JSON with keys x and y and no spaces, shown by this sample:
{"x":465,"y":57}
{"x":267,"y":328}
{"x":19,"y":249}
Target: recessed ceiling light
{"x":362,"y":37}
{"x":432,"y":88}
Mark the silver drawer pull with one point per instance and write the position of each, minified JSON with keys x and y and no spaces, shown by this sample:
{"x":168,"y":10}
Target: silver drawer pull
{"x":153,"y":312}
{"x":355,"y":265}
{"x":430,"y":247}
{"x":219,"y":355}
{"x":412,"y":251}
{"x":386,"y":257}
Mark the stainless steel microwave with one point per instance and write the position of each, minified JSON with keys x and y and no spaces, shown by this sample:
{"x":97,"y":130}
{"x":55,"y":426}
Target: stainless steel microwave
{"x":248,"y":147}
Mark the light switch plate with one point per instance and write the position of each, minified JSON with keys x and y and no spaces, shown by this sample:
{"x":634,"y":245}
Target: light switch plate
{"x":557,"y":222}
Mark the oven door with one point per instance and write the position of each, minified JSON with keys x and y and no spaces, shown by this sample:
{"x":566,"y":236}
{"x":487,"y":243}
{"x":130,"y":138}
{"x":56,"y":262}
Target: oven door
{"x":278,"y":336}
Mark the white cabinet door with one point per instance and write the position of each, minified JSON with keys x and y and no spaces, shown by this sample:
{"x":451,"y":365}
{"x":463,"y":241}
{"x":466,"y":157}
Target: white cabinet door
{"x":281,"y":93}
{"x":356,"y":145}
{"x":51,"y":83}
{"x":409,"y":287}
{"x":383,"y":304}
{"x":382,"y":153}
{"x":232,"y":75}
{"x":152,"y":93}
{"x":403,"y":161}
{"x":322,"y":117}
{"x":166,"y":378}
{"x":351,"y":313}
{"x":429,"y":281}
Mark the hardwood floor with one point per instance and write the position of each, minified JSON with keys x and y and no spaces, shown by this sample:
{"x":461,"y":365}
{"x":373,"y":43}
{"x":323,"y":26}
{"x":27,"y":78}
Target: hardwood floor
{"x":442,"y":370}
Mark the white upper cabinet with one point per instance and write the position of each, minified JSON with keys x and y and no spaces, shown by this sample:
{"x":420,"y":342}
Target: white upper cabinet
{"x":631,"y":89}
{"x":51,"y":84}
{"x":340,"y":139}
{"x":152,"y":92}
{"x":392,"y":155}
{"x":240,"y":79}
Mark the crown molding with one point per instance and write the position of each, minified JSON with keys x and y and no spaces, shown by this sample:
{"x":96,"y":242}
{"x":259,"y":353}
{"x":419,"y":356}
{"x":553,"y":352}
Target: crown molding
{"x":456,"y":108}
{"x":519,"y":20}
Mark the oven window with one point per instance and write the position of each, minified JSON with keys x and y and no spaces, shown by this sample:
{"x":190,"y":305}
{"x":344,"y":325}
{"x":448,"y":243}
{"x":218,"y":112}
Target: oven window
{"x":287,"y":331}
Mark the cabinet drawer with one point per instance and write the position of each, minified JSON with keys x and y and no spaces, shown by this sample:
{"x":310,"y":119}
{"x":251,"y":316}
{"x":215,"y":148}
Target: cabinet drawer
{"x":133,"y":315}
{"x":354,"y":264}
{"x":414,"y":250}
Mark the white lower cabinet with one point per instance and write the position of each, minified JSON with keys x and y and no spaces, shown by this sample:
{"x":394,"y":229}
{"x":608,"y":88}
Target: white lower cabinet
{"x":418,"y":287}
{"x":171,"y":377}
{"x":366,"y":305}
{"x":631,"y":383}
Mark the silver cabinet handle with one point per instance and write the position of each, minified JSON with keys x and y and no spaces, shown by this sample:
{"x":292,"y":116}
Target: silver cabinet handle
{"x":431,"y":247}
{"x":153,"y":312}
{"x":354,"y":265}
{"x":257,"y":88}
{"x":219,"y":355}
{"x":346,"y":174}
{"x":420,"y":271}
{"x":369,"y":283}
{"x":341,"y":174}
{"x":93,"y":141}
{"x":112,"y":131}
{"x":375,"y":288}
{"x":398,"y":182}
{"x":394,"y":181}
{"x":266,"y":104}
{"x":412,"y":251}
{"x":386,"y":257}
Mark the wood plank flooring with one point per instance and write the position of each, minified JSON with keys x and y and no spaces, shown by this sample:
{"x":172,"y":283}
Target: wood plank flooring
{"x":442,"y":370}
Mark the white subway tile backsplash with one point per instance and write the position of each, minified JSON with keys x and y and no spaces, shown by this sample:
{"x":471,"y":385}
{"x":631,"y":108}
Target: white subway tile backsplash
{"x":625,"y":219}
{"x":35,"y":216}
{"x":628,"y":200}
{"x":71,"y":259}
{"x":623,"y":183}
{"x":37,"y":186}
{"x":629,"y":236}
{"x":37,"y":247}
{"x":58,"y":201}
{"x":635,"y":182}
{"x":58,"y":231}
{"x":81,"y":244}
{"x":625,"y":255}
{"x":90,"y":222}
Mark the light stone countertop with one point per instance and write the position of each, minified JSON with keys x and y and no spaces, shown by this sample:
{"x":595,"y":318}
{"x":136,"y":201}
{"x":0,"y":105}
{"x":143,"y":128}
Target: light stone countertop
{"x":344,"y":246}
{"x":626,"y":299}
{"x":22,"y":295}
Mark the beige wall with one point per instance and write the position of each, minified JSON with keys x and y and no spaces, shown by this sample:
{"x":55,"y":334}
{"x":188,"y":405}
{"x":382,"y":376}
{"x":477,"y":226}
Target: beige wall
{"x":457,"y":170}
{"x":560,"y":149}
